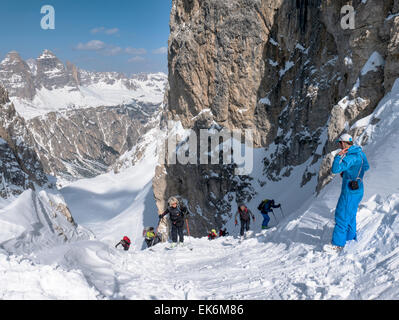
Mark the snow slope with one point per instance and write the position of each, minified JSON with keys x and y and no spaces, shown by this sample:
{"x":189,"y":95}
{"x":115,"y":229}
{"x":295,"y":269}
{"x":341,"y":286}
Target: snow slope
{"x":113,"y":205}
{"x":284,"y":262}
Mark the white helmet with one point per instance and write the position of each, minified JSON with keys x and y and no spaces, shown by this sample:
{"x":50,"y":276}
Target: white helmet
{"x":345,"y":138}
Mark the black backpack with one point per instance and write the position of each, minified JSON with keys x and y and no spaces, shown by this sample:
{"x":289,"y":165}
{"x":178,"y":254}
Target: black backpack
{"x":265,"y":205}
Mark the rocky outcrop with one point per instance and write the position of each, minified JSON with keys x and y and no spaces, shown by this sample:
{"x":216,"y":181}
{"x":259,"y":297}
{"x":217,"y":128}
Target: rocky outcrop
{"x":87,"y":142}
{"x":80,"y":121}
{"x":285,"y":69}
{"x":51,"y":73}
{"x":16,"y":76}
{"x":20,"y":167}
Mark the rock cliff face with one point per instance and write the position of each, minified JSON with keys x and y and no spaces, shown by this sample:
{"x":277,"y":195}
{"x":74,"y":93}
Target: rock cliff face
{"x":87,"y":142}
{"x":20,"y":167}
{"x":17,"y":77}
{"x":285,"y":69}
{"x":79,"y":122}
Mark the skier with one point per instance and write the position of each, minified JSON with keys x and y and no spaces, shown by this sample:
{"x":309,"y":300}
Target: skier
{"x":223,"y":232}
{"x":125,"y":242}
{"x":212,"y":235}
{"x":245,"y":218}
{"x":265,"y":207}
{"x":177,"y":213}
{"x":352,"y":163}
{"x":150,"y":237}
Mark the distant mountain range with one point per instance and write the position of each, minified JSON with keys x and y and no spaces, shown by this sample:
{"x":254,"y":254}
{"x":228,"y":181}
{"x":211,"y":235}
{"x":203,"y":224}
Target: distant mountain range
{"x":38,"y":86}
{"x":68,"y":122}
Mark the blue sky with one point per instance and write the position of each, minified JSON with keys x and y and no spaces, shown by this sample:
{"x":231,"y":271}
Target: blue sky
{"x":128,"y":36}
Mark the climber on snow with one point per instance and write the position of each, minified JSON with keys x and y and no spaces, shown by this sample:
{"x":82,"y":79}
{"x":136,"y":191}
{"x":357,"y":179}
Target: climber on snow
{"x":223,"y":232}
{"x":177,"y":212}
{"x":352,"y":163}
{"x":151,"y":238}
{"x":125,"y":242}
{"x":212,"y":234}
{"x":245,"y":218}
{"x":265,"y":207}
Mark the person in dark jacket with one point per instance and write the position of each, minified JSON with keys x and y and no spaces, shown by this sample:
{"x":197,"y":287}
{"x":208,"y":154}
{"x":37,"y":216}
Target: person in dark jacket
{"x":245,"y":218}
{"x":223,"y":232}
{"x":177,"y":213}
{"x":265,"y":207}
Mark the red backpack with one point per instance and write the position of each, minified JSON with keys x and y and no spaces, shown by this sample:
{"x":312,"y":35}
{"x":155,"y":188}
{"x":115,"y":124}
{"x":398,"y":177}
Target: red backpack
{"x":126,"y":243}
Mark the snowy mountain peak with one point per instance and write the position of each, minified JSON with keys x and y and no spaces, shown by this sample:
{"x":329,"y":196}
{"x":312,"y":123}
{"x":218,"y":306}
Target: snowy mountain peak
{"x":16,"y":76}
{"x":47,"y":54}
{"x":12,"y":57}
{"x":46,"y":84}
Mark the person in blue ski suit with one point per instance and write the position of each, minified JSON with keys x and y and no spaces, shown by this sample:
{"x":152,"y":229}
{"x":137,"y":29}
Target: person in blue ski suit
{"x":351,"y":163}
{"x":265,"y":207}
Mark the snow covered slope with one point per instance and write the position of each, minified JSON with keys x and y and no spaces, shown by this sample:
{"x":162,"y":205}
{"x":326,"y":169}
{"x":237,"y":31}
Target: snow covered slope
{"x":284,"y":262}
{"x":116,"y":204}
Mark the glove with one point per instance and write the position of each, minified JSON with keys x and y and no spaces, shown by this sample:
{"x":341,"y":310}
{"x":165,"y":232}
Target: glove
{"x":343,"y":152}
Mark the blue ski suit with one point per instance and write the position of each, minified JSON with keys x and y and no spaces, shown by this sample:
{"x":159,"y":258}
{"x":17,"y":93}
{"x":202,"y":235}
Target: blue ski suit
{"x":352,"y":167}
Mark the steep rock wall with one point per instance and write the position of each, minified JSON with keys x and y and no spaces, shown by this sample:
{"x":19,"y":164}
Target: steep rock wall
{"x":285,"y":69}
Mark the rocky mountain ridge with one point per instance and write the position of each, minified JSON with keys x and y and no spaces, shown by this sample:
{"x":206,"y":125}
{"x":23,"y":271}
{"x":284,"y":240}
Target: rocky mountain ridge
{"x":79,"y":122}
{"x":20,"y":167}
{"x":38,"y":86}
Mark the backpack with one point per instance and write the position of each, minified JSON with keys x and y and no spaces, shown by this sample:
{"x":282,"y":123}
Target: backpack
{"x":244,"y":214}
{"x":126,"y":243}
{"x":145,"y":230}
{"x":265,"y":205}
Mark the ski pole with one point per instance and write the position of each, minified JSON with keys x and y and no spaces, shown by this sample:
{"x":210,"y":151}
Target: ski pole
{"x":188,"y":229}
{"x":274,"y":216}
{"x":282,"y":212}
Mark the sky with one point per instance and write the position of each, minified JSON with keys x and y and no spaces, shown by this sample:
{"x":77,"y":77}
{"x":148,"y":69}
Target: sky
{"x":129,"y":36}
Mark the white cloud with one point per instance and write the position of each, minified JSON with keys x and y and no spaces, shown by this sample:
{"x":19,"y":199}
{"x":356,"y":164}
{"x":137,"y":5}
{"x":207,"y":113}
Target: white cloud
{"x":104,"y":30}
{"x":161,"y":50}
{"x":135,"y":51}
{"x":112,"y":31}
{"x":112,"y":51}
{"x":136,"y":59}
{"x":97,"y":30}
{"x":100,"y":47}
{"x":93,"y":45}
